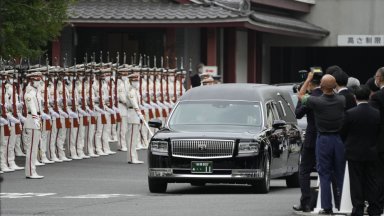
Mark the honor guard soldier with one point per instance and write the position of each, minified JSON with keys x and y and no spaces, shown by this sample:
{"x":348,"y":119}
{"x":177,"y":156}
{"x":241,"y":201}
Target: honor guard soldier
{"x":5,"y":127}
{"x":90,"y":141}
{"x":81,"y":109}
{"x":122,"y":90}
{"x":72,"y":133}
{"x":64,"y":117}
{"x":32,"y":125}
{"x":55,"y":117}
{"x":13,"y":105}
{"x":134,"y":117}
{"x":208,"y":81}
{"x":43,"y":96}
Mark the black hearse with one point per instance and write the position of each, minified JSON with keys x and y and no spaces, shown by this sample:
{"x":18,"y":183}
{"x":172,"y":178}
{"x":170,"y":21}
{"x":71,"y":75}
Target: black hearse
{"x":227,"y":133}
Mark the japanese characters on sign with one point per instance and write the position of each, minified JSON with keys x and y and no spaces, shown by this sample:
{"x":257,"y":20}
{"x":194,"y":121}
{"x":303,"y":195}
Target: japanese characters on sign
{"x":360,"y":40}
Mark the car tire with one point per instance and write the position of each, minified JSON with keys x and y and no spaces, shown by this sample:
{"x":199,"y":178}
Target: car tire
{"x":157,"y":186}
{"x":292,"y":181}
{"x":263,"y":186}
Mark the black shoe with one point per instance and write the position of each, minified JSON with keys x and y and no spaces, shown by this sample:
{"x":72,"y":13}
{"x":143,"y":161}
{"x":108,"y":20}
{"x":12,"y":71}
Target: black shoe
{"x":326,"y":212}
{"x":302,"y":208}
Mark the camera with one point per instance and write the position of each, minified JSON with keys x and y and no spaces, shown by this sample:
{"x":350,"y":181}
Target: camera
{"x":317,"y":74}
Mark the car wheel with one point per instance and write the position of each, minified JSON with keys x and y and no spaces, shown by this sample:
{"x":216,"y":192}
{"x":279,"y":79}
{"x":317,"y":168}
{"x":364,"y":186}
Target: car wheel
{"x":157,"y":186}
{"x":293,"y":180}
{"x":262,"y":186}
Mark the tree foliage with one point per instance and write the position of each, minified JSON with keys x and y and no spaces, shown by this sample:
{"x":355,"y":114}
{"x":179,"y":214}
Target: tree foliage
{"x":26,"y":26}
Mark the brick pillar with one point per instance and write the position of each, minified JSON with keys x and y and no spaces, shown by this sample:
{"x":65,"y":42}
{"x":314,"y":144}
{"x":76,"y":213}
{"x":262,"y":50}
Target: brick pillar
{"x":56,"y":51}
{"x":229,"y":75}
{"x":211,"y":47}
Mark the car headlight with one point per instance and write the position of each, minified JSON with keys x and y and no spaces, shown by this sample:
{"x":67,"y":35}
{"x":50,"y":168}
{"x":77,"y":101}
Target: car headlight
{"x":159,"y":148}
{"x":249,"y":148}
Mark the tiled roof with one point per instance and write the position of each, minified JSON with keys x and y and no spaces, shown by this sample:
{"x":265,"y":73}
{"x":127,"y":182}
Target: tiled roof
{"x":146,"y":11}
{"x":287,"y":23}
{"x":169,"y":12}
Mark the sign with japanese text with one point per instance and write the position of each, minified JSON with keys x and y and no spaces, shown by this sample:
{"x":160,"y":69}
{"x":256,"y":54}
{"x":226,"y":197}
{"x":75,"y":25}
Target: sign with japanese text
{"x":360,"y":40}
{"x":212,"y":70}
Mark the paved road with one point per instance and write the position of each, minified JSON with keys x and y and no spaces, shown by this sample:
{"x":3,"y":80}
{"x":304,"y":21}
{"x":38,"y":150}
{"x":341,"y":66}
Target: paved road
{"x":109,"y":186}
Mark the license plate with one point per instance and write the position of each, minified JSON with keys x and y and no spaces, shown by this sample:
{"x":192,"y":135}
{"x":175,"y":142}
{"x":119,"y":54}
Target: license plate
{"x":201,"y":167}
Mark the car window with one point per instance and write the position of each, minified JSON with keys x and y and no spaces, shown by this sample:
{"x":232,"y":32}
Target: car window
{"x":271,"y":113}
{"x":217,"y":113}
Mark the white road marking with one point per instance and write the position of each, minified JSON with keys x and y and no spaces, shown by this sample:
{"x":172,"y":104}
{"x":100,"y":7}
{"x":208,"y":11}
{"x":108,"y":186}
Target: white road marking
{"x":84,"y":196}
{"x":23,"y":195}
{"x":98,"y":196}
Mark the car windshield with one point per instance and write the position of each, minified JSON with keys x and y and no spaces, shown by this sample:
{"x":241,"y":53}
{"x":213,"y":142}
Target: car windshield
{"x":213,"y":112}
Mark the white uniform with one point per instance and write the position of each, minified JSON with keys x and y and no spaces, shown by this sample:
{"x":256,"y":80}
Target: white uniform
{"x":133,"y":125}
{"x":72,"y":132}
{"x":100,"y":125}
{"x":55,"y":117}
{"x":106,"y":134}
{"x":62,"y":132}
{"x":80,"y":138}
{"x":122,"y":86}
{"x":4,"y":126}
{"x":90,"y":130}
{"x":14,"y":122}
{"x":32,"y":130}
{"x":44,"y":143}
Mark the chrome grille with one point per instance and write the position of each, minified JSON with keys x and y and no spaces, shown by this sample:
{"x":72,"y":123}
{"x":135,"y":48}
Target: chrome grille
{"x":202,"y":148}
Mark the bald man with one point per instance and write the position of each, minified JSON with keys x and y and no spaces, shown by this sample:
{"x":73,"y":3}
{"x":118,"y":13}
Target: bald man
{"x":329,"y":115}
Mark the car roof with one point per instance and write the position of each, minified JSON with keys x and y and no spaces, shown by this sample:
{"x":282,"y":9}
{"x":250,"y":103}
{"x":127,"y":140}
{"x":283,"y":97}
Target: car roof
{"x":231,"y":91}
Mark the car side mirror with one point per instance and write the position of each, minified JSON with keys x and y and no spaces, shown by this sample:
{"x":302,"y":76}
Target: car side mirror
{"x":278,"y":124}
{"x":155,"y":123}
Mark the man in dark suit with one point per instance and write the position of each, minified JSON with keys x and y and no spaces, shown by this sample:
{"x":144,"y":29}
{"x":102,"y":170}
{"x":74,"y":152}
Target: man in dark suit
{"x":377,"y":101}
{"x":341,"y":88}
{"x":360,"y":132}
{"x":308,"y":153}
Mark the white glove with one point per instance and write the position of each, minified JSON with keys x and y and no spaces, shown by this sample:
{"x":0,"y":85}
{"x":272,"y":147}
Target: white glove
{"x":21,"y":117}
{"x":45,"y":116}
{"x":60,"y":101}
{"x":140,"y":116}
{"x":98,"y":109}
{"x":96,"y":99}
{"x":72,"y":114}
{"x":53,"y":113}
{"x":63,"y":114}
{"x":12,"y":119}
{"x":3,"y":121}
{"x":82,"y":112}
{"x":116,"y":109}
{"x":111,"y":111}
{"x":19,"y":105}
{"x":37,"y":122}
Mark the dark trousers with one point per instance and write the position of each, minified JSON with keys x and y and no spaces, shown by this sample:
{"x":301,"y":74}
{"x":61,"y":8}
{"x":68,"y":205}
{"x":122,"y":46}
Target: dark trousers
{"x":380,"y":172}
{"x":364,"y":186}
{"x":308,"y":161}
{"x":330,"y":162}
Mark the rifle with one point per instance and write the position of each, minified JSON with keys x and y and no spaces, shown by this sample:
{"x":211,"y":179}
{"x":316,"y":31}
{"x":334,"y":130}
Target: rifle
{"x":7,"y":131}
{"x":48,"y":125}
{"x":164,"y":112}
{"x":151,"y":116}
{"x":91,"y":105}
{"x":113,"y":120}
{"x":101,"y":104}
{"x":85,"y":118}
{"x":167,"y":84}
{"x":14,"y":107}
{"x":66,"y":120}
{"x":118,"y":117}
{"x":174,"y":85}
{"x":157,"y":112}
{"x":74,"y":108}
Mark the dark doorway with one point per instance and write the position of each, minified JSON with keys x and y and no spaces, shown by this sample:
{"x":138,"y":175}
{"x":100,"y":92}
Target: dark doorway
{"x":361,"y":63}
